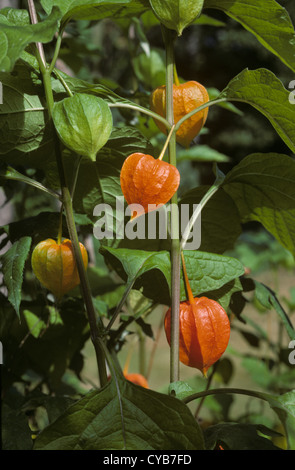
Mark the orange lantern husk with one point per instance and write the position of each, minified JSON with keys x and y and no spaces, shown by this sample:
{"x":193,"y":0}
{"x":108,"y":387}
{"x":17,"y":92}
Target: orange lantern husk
{"x":186,"y":97}
{"x":55,"y":267}
{"x":204,"y":329}
{"x":137,"y":379}
{"x":147,"y":181}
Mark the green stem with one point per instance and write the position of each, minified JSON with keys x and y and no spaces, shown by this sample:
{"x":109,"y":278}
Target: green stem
{"x":56,"y":52}
{"x":199,"y":108}
{"x":222,"y":391}
{"x":143,"y":110}
{"x":175,"y":243}
{"x":63,"y":82}
{"x":12,"y":174}
{"x":96,"y":329}
{"x":211,"y":191}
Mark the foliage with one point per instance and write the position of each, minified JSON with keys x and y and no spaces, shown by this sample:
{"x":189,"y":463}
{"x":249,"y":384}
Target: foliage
{"x":76,"y":89}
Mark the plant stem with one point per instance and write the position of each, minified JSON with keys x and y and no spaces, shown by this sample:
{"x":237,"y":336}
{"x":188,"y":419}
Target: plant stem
{"x":211,"y":191}
{"x":199,"y":108}
{"x":175,"y":244}
{"x":96,"y":329}
{"x":143,"y":110}
{"x":221,"y":391}
{"x":162,"y":154}
{"x":56,"y":52}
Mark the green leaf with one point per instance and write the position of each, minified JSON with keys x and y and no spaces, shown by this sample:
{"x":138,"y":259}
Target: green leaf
{"x":201,"y":153}
{"x":23,"y":119}
{"x":263,"y":188}
{"x":96,"y":10}
{"x":150,"y":68}
{"x":13,"y":262}
{"x":265,"y":92}
{"x":267,"y":20}
{"x":83,"y":123}
{"x":15,"y":16}
{"x":14,"y":38}
{"x":269,"y":300}
{"x":131,"y":264}
{"x":35,"y":324}
{"x":206,"y":271}
{"x":284,"y":407}
{"x":177,"y":14}
{"x":123,"y":416}
{"x":239,"y":436}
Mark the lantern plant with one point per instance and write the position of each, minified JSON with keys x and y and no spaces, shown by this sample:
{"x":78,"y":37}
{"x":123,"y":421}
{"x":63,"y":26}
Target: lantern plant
{"x":157,"y":107}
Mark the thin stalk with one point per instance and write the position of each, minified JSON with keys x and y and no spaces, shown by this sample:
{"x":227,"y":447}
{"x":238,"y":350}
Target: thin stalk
{"x":67,"y":203}
{"x":200,"y":108}
{"x":56,"y":52}
{"x":12,"y":174}
{"x":162,"y":154}
{"x":63,"y":82}
{"x":143,"y":110}
{"x":175,"y":243}
{"x":211,"y":191}
{"x":222,"y":391}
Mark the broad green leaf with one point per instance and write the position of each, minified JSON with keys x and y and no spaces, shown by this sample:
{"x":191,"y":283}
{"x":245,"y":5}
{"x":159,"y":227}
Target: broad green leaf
{"x":267,"y":20}
{"x":263,"y":188}
{"x":150,"y":68}
{"x":284,"y":406}
{"x":67,"y":6}
{"x":14,"y":38}
{"x":269,"y":300}
{"x":13,"y":262}
{"x":123,"y":416}
{"x":201,"y":153}
{"x":209,"y":271}
{"x":23,"y":119}
{"x":208,"y":21}
{"x":265,"y":92}
{"x":35,"y":324}
{"x":177,"y":14}
{"x":83,"y":123}
{"x":224,"y":294}
{"x":96,"y":10}
{"x":239,"y":436}
{"x":15,"y":16}
{"x":206,"y":271}
{"x":137,"y":262}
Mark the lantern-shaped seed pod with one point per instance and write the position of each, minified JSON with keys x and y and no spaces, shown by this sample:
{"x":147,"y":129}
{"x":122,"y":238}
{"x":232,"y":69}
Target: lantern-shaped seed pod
{"x":186,"y":97}
{"x":146,"y":181}
{"x":204,"y":330}
{"x":137,"y":379}
{"x":55,"y":267}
